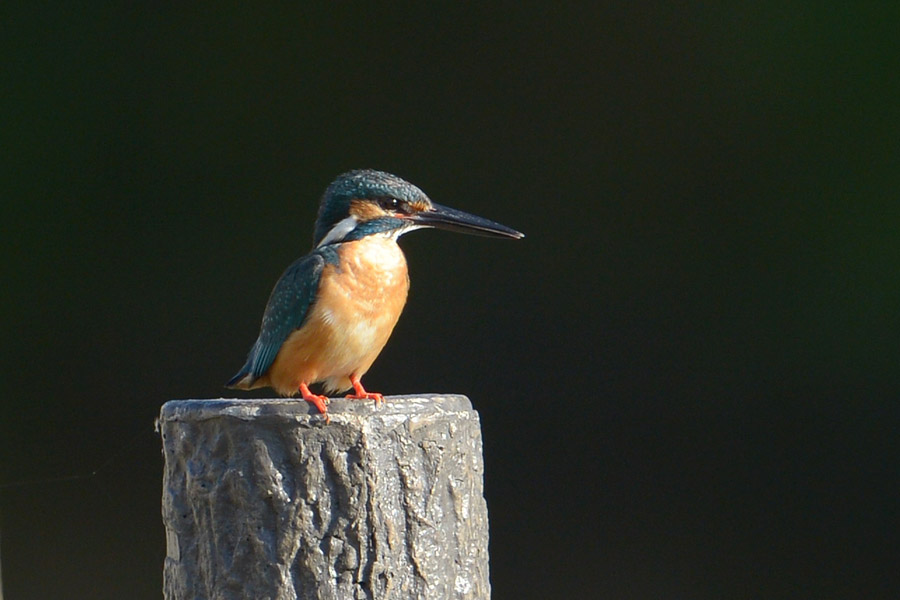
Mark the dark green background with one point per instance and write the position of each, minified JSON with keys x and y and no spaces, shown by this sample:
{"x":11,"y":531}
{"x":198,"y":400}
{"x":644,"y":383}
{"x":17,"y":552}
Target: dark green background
{"x":687,"y":372}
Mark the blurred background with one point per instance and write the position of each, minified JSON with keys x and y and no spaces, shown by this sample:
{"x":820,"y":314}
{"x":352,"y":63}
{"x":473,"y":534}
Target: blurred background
{"x":687,"y":372}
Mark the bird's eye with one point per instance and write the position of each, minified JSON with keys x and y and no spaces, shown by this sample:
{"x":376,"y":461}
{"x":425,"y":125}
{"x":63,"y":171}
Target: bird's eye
{"x":393,"y":204}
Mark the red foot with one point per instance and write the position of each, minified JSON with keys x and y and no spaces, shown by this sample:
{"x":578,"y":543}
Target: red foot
{"x":316,"y":400}
{"x":362,"y":394}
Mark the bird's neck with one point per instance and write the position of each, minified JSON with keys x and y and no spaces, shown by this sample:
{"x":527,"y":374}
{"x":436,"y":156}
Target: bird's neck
{"x":351,"y":230}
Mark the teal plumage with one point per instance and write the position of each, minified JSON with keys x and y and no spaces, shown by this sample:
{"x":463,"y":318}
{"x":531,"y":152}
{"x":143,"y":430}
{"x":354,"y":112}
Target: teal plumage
{"x":363,"y":183}
{"x":286,"y":311}
{"x":332,"y":311}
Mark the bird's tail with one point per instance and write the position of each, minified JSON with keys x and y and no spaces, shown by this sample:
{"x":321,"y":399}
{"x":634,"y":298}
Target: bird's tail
{"x":251,"y":371}
{"x":243,"y":380}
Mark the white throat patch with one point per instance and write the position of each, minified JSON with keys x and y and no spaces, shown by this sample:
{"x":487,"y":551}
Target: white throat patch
{"x":393,"y":234}
{"x":339,"y":231}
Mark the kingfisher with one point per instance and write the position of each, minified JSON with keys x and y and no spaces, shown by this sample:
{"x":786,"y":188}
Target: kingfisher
{"x":333,"y":310}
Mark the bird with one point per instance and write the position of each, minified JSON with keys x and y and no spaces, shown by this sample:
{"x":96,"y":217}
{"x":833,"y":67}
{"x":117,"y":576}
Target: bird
{"x":332,"y":311}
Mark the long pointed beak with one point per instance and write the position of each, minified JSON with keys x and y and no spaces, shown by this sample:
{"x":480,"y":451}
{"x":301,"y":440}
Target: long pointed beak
{"x":444,"y":217}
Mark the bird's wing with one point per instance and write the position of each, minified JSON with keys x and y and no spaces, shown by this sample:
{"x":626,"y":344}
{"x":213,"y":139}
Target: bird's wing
{"x":286,"y":311}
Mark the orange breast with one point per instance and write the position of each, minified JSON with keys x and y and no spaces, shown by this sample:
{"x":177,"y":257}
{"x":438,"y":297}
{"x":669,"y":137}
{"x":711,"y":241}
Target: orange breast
{"x":355,"y":311}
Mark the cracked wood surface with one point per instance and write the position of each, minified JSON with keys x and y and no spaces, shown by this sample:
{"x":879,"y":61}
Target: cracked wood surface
{"x":261,"y":499}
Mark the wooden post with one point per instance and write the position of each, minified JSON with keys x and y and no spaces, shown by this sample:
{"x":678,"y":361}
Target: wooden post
{"x":262,"y":499}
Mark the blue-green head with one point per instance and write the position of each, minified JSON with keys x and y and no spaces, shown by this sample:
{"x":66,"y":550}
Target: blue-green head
{"x":367,"y":202}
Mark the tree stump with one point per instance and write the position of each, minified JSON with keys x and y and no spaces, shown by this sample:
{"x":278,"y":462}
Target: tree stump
{"x":262,"y":499}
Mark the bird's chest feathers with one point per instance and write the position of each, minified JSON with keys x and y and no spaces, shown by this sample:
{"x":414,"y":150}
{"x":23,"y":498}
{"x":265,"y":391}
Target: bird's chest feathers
{"x":373,"y":266}
{"x":363,"y":296}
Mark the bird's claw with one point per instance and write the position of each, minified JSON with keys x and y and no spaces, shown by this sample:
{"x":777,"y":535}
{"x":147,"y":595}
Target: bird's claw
{"x":378,"y":398}
{"x":317,"y":400}
{"x":360,"y":392}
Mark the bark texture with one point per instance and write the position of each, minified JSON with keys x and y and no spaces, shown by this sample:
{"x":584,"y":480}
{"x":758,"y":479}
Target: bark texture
{"x":262,"y":499}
